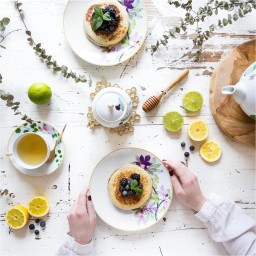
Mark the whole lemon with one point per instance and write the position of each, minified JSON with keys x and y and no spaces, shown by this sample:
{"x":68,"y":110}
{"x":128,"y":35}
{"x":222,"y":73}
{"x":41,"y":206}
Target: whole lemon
{"x":39,"y":93}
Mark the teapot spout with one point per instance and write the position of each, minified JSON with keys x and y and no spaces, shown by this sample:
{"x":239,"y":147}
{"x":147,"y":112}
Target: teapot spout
{"x":230,"y":89}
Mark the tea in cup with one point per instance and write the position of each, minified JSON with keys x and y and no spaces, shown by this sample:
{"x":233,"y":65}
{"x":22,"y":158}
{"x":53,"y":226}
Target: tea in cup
{"x":30,"y":150}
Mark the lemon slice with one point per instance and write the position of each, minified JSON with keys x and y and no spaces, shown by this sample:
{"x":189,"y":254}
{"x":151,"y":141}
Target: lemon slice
{"x":198,"y":130}
{"x":210,"y":151}
{"x":17,"y":217}
{"x":173,"y":121}
{"x":38,"y":206}
{"x":192,"y":101}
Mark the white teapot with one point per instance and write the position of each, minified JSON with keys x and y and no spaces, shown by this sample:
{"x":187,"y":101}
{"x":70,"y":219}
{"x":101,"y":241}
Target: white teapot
{"x":244,"y":91}
{"x":112,"y":107}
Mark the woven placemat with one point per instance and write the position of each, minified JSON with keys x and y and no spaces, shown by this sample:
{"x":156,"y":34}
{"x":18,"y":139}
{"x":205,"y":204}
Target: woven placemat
{"x":129,"y":125}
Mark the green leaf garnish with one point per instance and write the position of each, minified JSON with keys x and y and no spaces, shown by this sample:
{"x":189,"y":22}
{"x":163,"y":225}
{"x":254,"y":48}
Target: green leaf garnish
{"x":135,"y":187}
{"x":99,"y":17}
{"x":137,"y":190}
{"x":133,"y":184}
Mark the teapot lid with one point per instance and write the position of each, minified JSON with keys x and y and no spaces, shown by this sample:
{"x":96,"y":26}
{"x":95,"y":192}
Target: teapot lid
{"x":110,"y":104}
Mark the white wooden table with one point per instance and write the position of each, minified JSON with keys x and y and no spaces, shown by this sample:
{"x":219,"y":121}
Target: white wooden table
{"x":181,"y":234}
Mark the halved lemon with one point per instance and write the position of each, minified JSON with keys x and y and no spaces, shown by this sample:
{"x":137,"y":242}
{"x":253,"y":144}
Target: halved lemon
{"x":38,"y":206}
{"x":198,"y":130}
{"x":17,"y":217}
{"x":210,"y":151}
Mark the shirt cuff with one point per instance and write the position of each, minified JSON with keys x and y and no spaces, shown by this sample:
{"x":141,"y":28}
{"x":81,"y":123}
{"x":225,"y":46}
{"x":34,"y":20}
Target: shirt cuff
{"x":77,"y":248}
{"x":209,"y":207}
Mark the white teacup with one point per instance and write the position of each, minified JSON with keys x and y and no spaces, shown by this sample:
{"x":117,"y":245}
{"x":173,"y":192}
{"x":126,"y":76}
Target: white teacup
{"x":30,"y":150}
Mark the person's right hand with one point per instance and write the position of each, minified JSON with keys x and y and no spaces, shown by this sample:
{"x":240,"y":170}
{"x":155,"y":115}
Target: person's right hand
{"x":82,"y":219}
{"x":185,"y":185}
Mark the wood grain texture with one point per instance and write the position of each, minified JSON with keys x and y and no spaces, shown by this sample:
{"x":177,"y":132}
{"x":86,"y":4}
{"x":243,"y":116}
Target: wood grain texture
{"x":227,"y":113}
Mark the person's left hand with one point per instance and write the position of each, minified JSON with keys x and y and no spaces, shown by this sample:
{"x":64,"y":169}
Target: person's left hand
{"x":82,"y":219}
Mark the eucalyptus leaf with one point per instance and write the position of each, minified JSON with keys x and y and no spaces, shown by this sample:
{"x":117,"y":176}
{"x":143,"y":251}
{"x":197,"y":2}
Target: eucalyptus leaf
{"x":2,"y":27}
{"x":5,"y":21}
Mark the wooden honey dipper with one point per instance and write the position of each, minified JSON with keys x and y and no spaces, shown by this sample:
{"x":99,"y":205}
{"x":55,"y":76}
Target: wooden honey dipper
{"x":153,"y":101}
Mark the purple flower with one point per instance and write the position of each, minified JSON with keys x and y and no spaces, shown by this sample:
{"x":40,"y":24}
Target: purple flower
{"x":128,"y":4}
{"x":165,"y":196}
{"x":144,"y":161}
{"x":118,"y":107}
{"x":151,"y":207}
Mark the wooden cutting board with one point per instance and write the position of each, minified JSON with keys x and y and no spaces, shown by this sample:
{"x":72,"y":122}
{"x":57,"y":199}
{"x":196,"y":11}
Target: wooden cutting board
{"x":227,"y":113}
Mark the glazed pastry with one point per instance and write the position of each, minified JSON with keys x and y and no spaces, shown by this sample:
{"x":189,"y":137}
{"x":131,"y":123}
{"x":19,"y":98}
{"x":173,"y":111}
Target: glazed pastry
{"x":106,"y":22}
{"x":130,"y":187}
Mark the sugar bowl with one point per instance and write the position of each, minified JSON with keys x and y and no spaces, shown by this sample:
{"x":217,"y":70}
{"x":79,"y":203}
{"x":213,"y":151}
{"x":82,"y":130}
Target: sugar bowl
{"x":112,"y":107}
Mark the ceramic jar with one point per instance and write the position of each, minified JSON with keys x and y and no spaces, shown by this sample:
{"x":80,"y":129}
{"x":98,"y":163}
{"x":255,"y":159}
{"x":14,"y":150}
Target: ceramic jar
{"x":112,"y":107}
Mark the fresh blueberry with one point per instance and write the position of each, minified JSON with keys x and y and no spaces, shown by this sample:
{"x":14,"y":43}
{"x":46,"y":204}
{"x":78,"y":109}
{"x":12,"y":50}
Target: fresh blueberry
{"x":117,"y":18}
{"x":183,"y":144}
{"x":191,"y":148}
{"x":127,"y":187}
{"x":123,"y":182}
{"x":124,"y":193}
{"x":31,"y":226}
{"x":111,"y":28}
{"x":42,"y":224}
{"x":131,"y":193}
{"x":107,"y":8}
{"x":37,"y":220}
{"x":186,"y":154}
{"x":129,"y":181}
{"x":140,"y":186}
{"x":106,"y":31}
{"x":121,"y":188}
{"x":135,"y":176}
{"x":37,"y":232}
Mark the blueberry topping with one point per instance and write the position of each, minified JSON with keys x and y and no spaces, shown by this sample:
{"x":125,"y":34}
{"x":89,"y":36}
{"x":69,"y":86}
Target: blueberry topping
{"x":117,"y":18}
{"x":111,"y":28}
{"x":131,"y":193}
{"x":135,"y":176}
{"x":191,"y":148}
{"x":123,"y":182}
{"x":42,"y":224}
{"x":37,"y":232}
{"x":121,"y":188}
{"x":37,"y":220}
{"x":124,"y":193}
{"x":183,"y":144}
{"x":107,"y":8}
{"x":127,"y":187}
{"x":186,"y":154}
{"x":140,"y":186}
{"x":31,"y":226}
{"x":129,"y":181}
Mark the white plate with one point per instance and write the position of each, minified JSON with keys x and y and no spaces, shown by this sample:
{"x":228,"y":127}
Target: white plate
{"x":147,"y":215}
{"x":85,"y":49}
{"x":51,"y":134}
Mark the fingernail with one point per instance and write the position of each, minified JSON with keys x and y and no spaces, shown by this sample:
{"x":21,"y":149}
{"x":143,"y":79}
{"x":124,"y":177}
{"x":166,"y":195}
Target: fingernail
{"x":89,"y":198}
{"x":171,"y":172}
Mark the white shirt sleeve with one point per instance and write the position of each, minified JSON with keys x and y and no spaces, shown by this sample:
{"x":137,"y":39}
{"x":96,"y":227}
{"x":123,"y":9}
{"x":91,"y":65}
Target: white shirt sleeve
{"x":71,"y":248}
{"x":228,"y":224}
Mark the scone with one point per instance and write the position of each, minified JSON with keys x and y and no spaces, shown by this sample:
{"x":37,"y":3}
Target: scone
{"x":129,"y":187}
{"x":114,"y":26}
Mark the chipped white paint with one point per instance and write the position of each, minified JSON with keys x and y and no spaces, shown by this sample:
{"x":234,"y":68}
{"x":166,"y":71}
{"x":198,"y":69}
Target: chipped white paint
{"x":233,"y":176}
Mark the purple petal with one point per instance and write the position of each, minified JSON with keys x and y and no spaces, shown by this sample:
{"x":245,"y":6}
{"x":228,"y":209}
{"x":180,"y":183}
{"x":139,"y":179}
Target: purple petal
{"x":142,"y":159}
{"x":147,"y":158}
{"x":137,"y":163}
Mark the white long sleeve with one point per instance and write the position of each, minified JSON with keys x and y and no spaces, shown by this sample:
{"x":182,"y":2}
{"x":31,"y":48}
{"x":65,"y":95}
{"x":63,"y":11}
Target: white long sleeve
{"x":228,"y":224}
{"x":71,"y":248}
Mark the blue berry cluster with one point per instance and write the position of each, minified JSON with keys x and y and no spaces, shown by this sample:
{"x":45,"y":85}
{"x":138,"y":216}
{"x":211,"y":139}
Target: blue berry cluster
{"x":37,"y":221}
{"x":191,"y":148}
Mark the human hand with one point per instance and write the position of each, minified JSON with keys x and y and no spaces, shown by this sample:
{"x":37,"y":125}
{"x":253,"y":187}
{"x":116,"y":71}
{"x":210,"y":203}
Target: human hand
{"x":185,"y":185}
{"x":82,"y":218}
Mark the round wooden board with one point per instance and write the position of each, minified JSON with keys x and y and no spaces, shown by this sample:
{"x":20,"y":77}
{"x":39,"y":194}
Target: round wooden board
{"x":227,"y":113}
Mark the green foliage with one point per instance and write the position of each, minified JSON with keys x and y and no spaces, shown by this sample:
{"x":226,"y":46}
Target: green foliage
{"x":3,"y":23}
{"x":99,"y":17}
{"x":134,"y":186}
{"x":47,"y":58}
{"x":240,"y":8}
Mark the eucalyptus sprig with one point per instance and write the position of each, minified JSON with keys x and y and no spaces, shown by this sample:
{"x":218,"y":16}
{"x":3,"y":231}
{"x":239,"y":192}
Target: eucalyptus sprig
{"x":99,"y":17}
{"x":3,"y":23}
{"x":47,"y":58}
{"x":14,"y":105}
{"x":240,"y":8}
{"x":6,"y":192}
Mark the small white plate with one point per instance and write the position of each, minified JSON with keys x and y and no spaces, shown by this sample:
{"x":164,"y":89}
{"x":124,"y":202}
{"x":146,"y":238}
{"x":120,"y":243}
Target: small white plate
{"x":51,"y":134}
{"x":148,"y":214}
{"x":85,"y":49}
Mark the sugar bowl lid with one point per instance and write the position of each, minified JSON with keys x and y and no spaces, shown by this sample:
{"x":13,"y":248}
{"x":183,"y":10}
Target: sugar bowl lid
{"x":110,"y":104}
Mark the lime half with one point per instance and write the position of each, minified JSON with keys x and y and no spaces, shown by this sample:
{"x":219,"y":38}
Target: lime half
{"x":192,"y":101}
{"x":173,"y":121}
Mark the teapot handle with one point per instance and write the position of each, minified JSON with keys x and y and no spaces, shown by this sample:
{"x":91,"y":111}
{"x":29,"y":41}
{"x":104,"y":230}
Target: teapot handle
{"x":230,"y":89}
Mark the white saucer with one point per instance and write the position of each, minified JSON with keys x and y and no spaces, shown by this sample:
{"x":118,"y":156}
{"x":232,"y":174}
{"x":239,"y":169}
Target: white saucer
{"x":52,"y":135}
{"x":147,"y":215}
{"x":85,"y":49}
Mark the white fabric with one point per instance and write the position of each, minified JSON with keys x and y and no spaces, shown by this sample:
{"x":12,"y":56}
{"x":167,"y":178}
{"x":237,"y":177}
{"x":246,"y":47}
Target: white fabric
{"x":225,"y":221}
{"x":228,"y":224}
{"x":71,"y":248}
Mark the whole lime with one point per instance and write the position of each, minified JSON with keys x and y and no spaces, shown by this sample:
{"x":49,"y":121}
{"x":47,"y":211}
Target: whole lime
{"x":39,"y":93}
